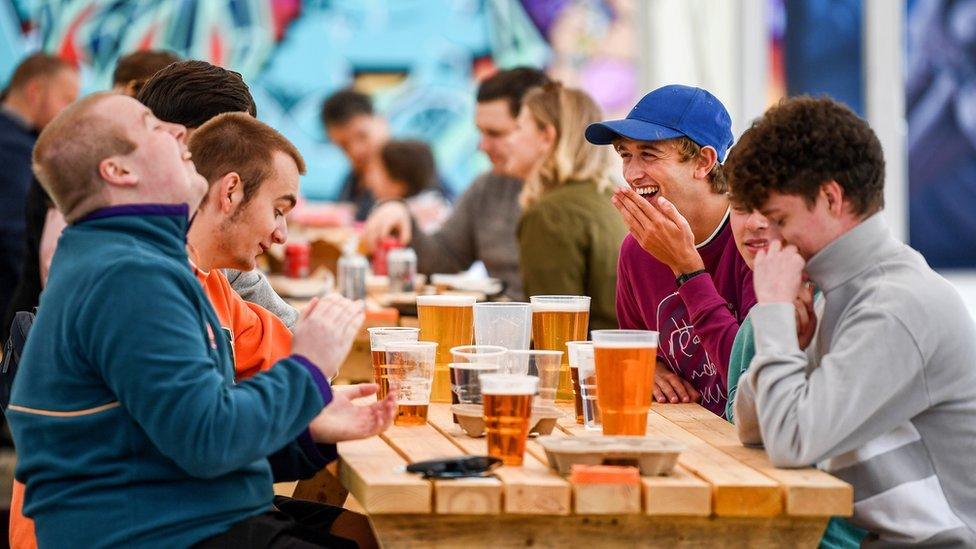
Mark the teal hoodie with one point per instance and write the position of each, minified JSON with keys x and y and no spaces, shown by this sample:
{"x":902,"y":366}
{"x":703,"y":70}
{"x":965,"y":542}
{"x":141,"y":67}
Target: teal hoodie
{"x":130,"y":430}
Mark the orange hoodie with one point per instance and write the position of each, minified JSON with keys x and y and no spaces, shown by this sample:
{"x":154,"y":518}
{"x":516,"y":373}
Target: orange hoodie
{"x":259,"y":340}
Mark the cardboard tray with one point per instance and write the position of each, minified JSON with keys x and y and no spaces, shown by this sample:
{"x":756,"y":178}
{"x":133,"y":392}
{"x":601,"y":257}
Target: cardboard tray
{"x":471,"y":419}
{"x":652,"y":455}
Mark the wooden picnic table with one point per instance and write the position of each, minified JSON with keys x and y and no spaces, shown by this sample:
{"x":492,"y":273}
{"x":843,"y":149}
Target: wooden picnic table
{"x":720,"y":493}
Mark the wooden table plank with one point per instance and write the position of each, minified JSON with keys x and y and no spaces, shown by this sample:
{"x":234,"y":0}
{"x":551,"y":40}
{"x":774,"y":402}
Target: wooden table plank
{"x":472,"y":496}
{"x":531,"y":489}
{"x":806,"y":492}
{"x":679,"y":494}
{"x":737,"y":489}
{"x":373,"y":472}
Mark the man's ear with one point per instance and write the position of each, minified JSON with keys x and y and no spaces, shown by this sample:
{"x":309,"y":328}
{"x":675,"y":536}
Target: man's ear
{"x":230,"y":191}
{"x":834,"y":194}
{"x":115,"y":171}
{"x":705,"y":162}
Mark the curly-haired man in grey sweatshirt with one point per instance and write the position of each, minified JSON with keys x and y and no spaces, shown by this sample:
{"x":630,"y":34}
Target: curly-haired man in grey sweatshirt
{"x":885,"y":396}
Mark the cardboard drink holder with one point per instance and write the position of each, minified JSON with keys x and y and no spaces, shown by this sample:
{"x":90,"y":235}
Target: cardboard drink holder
{"x":652,"y":455}
{"x":472,"y":420}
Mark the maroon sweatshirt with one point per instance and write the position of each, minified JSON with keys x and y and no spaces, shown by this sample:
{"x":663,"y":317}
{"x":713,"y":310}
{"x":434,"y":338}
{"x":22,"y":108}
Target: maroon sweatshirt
{"x":697,"y":322}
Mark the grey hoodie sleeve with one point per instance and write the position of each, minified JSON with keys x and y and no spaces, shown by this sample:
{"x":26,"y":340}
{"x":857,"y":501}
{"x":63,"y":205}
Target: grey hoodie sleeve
{"x":871,"y":381}
{"x":253,"y":286}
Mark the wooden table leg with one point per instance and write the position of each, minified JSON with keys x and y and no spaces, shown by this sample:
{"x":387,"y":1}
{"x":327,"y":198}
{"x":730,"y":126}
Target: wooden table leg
{"x":324,"y":487}
{"x":594,"y":531}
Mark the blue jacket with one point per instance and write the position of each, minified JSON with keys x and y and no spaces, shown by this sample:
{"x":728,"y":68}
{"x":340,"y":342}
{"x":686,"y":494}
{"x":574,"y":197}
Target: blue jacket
{"x":129,"y":428}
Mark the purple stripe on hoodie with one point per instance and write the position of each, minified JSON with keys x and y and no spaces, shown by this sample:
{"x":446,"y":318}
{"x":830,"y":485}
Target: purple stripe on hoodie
{"x":697,"y":322}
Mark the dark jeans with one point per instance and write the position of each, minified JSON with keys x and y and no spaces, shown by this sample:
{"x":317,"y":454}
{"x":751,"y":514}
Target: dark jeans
{"x":294,"y":524}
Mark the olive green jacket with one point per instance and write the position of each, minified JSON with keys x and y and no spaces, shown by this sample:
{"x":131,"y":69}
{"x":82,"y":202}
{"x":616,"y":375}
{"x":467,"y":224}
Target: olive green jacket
{"x":568,"y":245}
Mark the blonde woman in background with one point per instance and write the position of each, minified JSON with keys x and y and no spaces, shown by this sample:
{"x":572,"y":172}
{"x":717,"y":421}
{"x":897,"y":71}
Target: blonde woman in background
{"x":569,"y":234}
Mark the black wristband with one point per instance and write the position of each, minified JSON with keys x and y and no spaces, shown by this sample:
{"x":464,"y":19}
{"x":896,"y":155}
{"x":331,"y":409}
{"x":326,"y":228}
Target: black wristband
{"x":685,"y":277}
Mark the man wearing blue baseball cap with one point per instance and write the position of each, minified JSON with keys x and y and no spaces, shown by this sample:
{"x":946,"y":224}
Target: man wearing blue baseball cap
{"x":679,"y":271}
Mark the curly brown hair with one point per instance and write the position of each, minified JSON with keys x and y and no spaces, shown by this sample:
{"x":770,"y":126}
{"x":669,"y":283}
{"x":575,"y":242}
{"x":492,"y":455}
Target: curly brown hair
{"x":802,"y":143}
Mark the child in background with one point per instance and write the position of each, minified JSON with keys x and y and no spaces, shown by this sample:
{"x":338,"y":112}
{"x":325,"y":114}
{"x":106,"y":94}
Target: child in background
{"x":405,"y":171}
{"x":752,"y":233}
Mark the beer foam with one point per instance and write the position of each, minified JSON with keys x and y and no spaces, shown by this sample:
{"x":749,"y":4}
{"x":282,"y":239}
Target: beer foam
{"x":508,"y":384}
{"x":561,"y":306}
{"x":446,"y":300}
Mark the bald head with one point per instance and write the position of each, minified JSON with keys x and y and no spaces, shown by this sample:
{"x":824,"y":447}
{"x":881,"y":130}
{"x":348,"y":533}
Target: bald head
{"x":69,"y":150}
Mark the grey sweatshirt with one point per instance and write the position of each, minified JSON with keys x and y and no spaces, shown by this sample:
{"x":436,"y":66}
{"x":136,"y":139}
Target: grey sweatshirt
{"x":481,"y":227}
{"x":885,"y":396}
{"x":253,"y":286}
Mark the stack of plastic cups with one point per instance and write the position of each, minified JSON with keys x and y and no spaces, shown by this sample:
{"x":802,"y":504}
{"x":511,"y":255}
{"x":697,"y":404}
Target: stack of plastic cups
{"x":584,"y":370}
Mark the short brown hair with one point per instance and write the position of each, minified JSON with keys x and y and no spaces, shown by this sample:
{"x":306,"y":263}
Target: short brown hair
{"x":68,"y":152}
{"x":192,"y":92}
{"x":799,"y":145}
{"x":134,"y":69}
{"x":689,"y":150}
{"x":237,"y":142}
{"x":34,"y":65}
{"x":410,"y":162}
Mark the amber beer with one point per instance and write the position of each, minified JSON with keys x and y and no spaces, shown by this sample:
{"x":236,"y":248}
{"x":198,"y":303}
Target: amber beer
{"x":378,"y":337}
{"x":447,"y":320}
{"x":557,"y":320}
{"x":625,"y":361}
{"x":507,"y":402}
{"x":409,"y":368}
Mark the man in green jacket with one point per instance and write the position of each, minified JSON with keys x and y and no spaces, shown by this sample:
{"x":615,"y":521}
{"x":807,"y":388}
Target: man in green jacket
{"x":129,"y":427}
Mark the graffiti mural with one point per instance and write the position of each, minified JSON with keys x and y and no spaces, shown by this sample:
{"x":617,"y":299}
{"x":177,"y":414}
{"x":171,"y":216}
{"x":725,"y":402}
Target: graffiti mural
{"x":420,"y":59}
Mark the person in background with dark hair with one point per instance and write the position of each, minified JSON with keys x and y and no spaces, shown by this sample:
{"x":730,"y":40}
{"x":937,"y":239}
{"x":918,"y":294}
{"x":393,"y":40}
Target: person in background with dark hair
{"x":406,"y":171}
{"x":885,"y":396}
{"x":41,"y":86}
{"x":190,"y":93}
{"x":483,"y":224}
{"x":352,"y":124}
{"x":133,"y":70}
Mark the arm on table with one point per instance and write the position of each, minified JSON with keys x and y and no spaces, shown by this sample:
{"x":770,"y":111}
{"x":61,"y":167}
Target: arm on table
{"x":841,"y":405}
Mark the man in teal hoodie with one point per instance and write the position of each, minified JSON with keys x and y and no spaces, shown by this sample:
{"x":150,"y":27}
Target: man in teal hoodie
{"x":129,"y":428}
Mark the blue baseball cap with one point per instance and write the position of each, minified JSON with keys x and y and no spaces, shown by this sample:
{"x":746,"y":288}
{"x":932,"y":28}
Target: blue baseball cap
{"x":670,"y":112}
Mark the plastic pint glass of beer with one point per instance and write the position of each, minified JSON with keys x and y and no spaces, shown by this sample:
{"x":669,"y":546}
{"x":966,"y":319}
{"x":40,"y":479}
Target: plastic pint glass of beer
{"x":409,"y":368}
{"x":378,"y":338}
{"x":448,"y":321}
{"x":507,"y":406}
{"x":625,"y":361}
{"x":556,"y":320}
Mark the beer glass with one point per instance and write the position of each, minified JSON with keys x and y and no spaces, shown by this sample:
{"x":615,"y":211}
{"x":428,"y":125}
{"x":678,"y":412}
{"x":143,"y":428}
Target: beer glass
{"x":545,"y":365}
{"x":447,"y":320}
{"x":507,"y":325}
{"x":466,"y":380}
{"x":625,"y":361}
{"x":378,"y":337}
{"x":507,"y":407}
{"x":409,"y":368}
{"x":574,"y":348}
{"x":557,"y":319}
{"x":584,"y":384}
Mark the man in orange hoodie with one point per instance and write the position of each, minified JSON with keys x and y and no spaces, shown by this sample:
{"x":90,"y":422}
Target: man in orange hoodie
{"x":253,"y":172}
